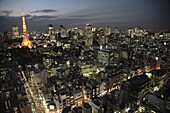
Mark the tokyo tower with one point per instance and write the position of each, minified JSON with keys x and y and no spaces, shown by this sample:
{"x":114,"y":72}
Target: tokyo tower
{"x":25,"y":41}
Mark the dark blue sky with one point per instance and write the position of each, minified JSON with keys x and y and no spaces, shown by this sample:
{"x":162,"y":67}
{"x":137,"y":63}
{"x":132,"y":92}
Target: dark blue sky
{"x":149,"y":14}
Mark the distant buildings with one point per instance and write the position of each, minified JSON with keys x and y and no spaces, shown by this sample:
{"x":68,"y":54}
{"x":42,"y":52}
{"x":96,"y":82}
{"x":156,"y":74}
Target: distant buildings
{"x":90,"y":70}
{"x":137,"y":31}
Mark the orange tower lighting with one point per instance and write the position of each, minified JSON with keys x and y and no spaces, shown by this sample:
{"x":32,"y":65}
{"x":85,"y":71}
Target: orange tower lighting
{"x":25,"y":41}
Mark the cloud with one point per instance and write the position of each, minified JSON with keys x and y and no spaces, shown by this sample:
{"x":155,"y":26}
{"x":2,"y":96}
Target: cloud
{"x":28,"y":16}
{"x":79,"y":16}
{"x":36,"y":18}
{"x":5,"y":12}
{"x":45,"y":11}
{"x":34,"y":22}
{"x":118,"y":14}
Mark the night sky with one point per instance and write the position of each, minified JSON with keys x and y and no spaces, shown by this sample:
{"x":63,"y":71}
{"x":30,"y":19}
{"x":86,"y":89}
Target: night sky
{"x":149,"y":14}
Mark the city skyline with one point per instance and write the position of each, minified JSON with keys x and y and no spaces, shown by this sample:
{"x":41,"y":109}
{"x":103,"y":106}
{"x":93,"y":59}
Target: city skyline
{"x":84,"y":57}
{"x":151,"y":14}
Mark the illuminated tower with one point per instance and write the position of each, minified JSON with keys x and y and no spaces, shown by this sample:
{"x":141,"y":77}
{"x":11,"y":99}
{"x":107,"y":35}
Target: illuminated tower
{"x":25,"y":41}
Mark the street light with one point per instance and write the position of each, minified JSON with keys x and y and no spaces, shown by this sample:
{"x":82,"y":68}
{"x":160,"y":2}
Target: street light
{"x":156,"y":58}
{"x":164,"y":43}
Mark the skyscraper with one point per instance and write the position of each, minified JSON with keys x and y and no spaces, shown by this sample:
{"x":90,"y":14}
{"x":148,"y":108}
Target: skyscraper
{"x":25,"y":41}
{"x":88,"y":35}
{"x":51,"y":33}
{"x":50,"y":29}
{"x":15,"y":32}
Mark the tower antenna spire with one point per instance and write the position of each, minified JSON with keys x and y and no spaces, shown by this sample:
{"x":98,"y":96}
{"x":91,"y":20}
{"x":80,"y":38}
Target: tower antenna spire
{"x":25,"y":41}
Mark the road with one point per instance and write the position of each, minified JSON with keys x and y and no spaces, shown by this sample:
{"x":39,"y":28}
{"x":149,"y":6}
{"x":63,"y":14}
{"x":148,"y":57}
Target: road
{"x":40,"y":105}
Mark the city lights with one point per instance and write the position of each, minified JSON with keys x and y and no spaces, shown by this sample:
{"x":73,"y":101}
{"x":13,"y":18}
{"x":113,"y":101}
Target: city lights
{"x":84,"y":56}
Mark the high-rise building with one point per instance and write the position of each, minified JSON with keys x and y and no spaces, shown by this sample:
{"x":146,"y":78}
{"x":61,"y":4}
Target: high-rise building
{"x":105,"y":55}
{"x":51,"y":33}
{"x":103,"y":40}
{"x":63,"y":32}
{"x":50,"y":29}
{"x":88,"y":27}
{"x":108,"y":30}
{"x":15,"y":31}
{"x":88,"y":35}
{"x":25,"y":41}
{"x":116,"y":30}
{"x":89,"y":41}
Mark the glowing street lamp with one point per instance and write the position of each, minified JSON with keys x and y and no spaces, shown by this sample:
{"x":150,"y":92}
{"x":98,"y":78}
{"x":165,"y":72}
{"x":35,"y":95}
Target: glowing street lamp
{"x":156,"y":58}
